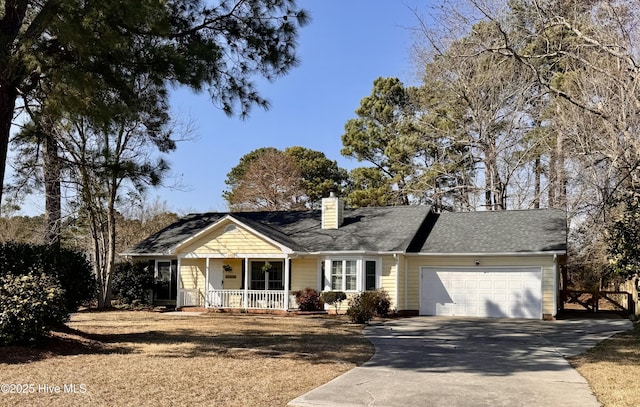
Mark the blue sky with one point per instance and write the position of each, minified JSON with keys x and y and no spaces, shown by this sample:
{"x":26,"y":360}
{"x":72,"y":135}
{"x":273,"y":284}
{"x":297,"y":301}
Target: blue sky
{"x":346,"y":46}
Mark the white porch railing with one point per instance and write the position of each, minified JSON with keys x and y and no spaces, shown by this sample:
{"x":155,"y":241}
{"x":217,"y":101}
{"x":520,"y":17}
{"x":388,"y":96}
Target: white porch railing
{"x":249,"y":299}
{"x":189,"y":297}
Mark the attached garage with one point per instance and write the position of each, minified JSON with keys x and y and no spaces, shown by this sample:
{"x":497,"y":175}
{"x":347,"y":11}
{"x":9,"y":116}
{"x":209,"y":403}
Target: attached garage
{"x":498,"y":264}
{"x":511,"y":292}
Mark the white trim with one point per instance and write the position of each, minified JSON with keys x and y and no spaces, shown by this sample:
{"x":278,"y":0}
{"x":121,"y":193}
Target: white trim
{"x":287,"y":270}
{"x":229,"y":256}
{"x":549,"y":253}
{"x":247,"y":274}
{"x":349,"y":253}
{"x":178,"y":290}
{"x":146,"y":254}
{"x":207,"y":267}
{"x":230,"y":218}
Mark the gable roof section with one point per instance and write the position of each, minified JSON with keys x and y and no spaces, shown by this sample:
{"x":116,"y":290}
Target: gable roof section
{"x":381,"y":229}
{"x":164,"y":241}
{"x":228,"y":219}
{"x":518,"y":231}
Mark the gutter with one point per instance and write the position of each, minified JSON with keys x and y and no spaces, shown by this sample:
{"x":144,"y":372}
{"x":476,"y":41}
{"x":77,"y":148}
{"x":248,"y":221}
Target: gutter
{"x":355,"y":252}
{"x":544,"y":253}
{"x":146,"y":254}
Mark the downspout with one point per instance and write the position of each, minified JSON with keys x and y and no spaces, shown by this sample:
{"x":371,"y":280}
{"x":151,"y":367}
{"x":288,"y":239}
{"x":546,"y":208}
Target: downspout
{"x":406,"y":282}
{"x":555,"y":286}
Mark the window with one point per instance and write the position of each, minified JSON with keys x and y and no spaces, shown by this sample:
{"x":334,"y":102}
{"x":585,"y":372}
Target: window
{"x":261,"y":279}
{"x":350,"y":275}
{"x":370,"y":275}
{"x":336,"y":275}
{"x":344,"y":275}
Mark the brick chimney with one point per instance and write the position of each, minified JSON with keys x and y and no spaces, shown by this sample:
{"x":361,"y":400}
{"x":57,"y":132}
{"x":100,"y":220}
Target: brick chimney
{"x":332,"y":208}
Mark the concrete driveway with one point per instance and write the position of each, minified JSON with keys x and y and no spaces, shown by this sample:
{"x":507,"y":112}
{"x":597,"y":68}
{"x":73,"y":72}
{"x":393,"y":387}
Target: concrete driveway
{"x":436,"y":361}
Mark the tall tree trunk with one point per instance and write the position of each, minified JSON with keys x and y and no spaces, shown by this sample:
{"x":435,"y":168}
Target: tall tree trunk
{"x":537,"y":168}
{"x":53,"y":206}
{"x":8,"y":96}
{"x":491,"y":179}
{"x":553,"y":178}
{"x":561,"y":176}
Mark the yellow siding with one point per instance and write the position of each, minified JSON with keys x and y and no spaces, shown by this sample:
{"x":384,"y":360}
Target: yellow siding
{"x":233,"y":279}
{"x":192,"y":276}
{"x":546,"y":262}
{"x":304,"y":273}
{"x":389,"y":279}
{"x":228,"y":243}
{"x":402,"y":264}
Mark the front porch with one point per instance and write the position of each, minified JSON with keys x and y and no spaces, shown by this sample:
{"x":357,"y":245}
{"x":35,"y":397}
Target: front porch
{"x":246,"y":299}
{"x":261,"y":282}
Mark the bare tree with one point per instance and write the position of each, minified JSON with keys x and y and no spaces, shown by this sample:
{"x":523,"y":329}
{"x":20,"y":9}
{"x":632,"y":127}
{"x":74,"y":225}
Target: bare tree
{"x":272,"y":182}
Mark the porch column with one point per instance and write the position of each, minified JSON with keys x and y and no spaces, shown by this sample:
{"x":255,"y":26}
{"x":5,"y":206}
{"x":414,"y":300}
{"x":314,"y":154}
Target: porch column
{"x":178,"y":291}
{"x":206,"y":283}
{"x":286,"y":284}
{"x":246,"y":283}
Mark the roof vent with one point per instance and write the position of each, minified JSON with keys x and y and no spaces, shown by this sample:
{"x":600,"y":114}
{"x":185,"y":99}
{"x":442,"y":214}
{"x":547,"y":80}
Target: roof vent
{"x":332,"y":212}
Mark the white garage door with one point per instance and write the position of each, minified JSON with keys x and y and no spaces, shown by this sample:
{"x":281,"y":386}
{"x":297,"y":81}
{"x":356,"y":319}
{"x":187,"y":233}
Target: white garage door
{"x":481,"y":292}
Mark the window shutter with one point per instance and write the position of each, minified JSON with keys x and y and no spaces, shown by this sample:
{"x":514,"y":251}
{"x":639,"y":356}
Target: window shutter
{"x":370,"y":275}
{"x":242,"y":283}
{"x":289,"y":288}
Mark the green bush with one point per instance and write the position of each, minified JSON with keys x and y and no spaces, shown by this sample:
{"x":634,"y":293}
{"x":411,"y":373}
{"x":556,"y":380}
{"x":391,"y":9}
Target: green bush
{"x":70,"y":267}
{"x":308,"y":300}
{"x":364,"y":306}
{"x":30,"y":305}
{"x":132,"y":282}
{"x":333,"y":298}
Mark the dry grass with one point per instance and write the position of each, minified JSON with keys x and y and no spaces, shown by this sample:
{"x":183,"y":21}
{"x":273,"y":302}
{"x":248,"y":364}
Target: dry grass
{"x":613,"y":369}
{"x":142,"y":358}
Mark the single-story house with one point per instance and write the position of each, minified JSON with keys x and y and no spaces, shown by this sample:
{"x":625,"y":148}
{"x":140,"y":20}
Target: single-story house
{"x":487,"y":264}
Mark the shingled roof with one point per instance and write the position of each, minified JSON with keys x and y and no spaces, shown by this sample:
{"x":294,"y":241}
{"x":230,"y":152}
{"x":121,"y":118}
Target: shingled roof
{"x":519,"y":231}
{"x":380,"y":229}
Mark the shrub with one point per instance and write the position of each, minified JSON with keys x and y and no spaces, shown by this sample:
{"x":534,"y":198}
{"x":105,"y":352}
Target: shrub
{"x":361,"y":308}
{"x":308,"y":300}
{"x":381,"y":302}
{"x":364,"y":306}
{"x":70,"y":267}
{"x":30,"y":305}
{"x":132,"y":282}
{"x":334,"y":298}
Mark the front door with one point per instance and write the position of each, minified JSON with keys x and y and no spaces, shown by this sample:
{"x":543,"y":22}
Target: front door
{"x":164,"y":289}
{"x":215,"y":282}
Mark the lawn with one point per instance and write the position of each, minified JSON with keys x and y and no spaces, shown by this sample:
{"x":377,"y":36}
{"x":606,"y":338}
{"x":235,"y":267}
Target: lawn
{"x":145,"y":358}
{"x":612,"y":369}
